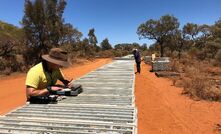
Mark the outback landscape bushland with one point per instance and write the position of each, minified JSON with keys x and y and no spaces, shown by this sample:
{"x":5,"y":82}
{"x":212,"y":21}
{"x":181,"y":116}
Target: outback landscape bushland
{"x":194,"y":50}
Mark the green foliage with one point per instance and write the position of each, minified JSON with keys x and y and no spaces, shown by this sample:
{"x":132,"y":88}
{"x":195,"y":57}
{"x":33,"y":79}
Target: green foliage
{"x":212,"y":48}
{"x":11,"y":44}
{"x":85,"y":49}
{"x":11,"y":64}
{"x":70,"y":35}
{"x":126,"y":48}
{"x":106,"y":54}
{"x":159,"y":30}
{"x":105,"y":45}
{"x":200,"y":41}
{"x":218,"y":57}
{"x":144,"y":47}
{"x":11,"y":39}
{"x":7,"y":44}
{"x":216,"y":29}
{"x":92,"y":37}
{"x":44,"y":27}
{"x":191,"y":30}
{"x":118,"y":53}
{"x":13,"y":31}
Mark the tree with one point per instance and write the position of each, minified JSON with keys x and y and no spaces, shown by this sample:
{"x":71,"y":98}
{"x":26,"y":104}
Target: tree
{"x":70,"y":35}
{"x":212,"y":39}
{"x":191,"y":30}
{"x":198,"y":34}
{"x":7,"y":44}
{"x":105,"y":45}
{"x":144,"y":47}
{"x":11,"y":39}
{"x":216,"y":29}
{"x":205,"y":36}
{"x":85,"y":49}
{"x":216,"y":32}
{"x":92,"y":37}
{"x":212,"y":48}
{"x":43,"y":25}
{"x":159,"y":30}
{"x":179,"y":40}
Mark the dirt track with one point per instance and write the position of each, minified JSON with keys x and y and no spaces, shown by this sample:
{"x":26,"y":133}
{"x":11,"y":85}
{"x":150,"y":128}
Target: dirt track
{"x":12,"y":89}
{"x":161,"y":107}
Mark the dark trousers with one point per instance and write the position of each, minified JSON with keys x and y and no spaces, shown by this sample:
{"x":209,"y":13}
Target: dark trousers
{"x":138,"y":66}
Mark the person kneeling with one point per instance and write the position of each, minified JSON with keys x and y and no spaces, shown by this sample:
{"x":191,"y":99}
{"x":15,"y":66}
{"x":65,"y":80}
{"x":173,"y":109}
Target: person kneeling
{"x":41,"y":78}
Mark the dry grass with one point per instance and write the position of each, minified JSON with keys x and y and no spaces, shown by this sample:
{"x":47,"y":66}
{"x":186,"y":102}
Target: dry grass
{"x":175,"y":66}
{"x":198,"y":82}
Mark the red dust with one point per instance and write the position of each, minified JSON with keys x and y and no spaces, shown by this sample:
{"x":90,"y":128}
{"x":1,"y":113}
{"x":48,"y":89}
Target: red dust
{"x":12,"y":88}
{"x":162,"y":109}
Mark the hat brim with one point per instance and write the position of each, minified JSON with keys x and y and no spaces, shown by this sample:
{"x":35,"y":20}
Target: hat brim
{"x":57,"y":62}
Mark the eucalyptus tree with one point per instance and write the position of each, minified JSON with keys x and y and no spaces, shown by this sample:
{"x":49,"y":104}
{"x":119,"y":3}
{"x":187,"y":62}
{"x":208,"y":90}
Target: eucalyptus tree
{"x":191,"y":30}
{"x":216,"y":31}
{"x":105,"y":45}
{"x":159,"y":30}
{"x":180,"y":39}
{"x":43,"y":25}
{"x":7,"y":45}
{"x":214,"y":45}
{"x":143,"y":47}
{"x":71,"y":35}
{"x":11,"y":40}
{"x":205,"y":36}
{"x":92,"y":37}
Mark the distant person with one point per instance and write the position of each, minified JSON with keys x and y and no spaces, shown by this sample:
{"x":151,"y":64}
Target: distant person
{"x":41,"y":78}
{"x":153,"y":57}
{"x":137,"y":58}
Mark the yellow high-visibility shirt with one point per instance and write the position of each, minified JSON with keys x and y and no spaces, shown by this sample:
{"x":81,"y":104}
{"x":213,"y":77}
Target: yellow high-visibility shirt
{"x":40,"y":79}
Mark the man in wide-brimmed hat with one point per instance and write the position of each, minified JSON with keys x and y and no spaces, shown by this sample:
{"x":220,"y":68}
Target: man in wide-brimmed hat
{"x":41,"y":78}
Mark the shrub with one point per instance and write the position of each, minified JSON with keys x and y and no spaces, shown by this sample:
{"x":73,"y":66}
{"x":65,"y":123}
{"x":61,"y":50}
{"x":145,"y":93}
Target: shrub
{"x":5,"y":67}
{"x":118,"y":53}
{"x":106,"y":54}
{"x":175,"y":66}
{"x":193,"y":52}
{"x":218,"y":58}
{"x":198,"y":85}
{"x":201,"y":54}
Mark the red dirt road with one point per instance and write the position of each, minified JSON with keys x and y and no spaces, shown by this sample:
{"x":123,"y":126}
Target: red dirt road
{"x":161,"y":107}
{"x":163,"y":110}
{"x":12,"y":88}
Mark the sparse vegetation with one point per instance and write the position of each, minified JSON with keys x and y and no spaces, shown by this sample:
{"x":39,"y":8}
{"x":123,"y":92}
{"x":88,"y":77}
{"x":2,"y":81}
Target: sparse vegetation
{"x":199,"y":79}
{"x":194,"y":50}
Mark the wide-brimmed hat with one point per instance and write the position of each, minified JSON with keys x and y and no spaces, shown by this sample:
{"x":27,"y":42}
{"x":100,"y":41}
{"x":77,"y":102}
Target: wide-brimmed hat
{"x":57,"y":56}
{"x":134,"y":50}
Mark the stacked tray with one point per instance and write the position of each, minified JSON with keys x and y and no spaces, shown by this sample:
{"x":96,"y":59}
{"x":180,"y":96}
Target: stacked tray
{"x":106,"y":105}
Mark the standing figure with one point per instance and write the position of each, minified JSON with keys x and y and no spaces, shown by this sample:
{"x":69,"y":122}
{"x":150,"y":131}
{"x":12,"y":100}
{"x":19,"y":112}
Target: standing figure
{"x":137,"y":58}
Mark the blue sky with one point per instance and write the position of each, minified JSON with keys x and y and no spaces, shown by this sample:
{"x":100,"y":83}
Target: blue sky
{"x":118,"y":20}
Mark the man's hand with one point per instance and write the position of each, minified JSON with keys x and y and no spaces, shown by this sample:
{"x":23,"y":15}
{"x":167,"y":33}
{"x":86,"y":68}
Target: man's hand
{"x":67,"y":83}
{"x":70,"y":84}
{"x":56,"y":88}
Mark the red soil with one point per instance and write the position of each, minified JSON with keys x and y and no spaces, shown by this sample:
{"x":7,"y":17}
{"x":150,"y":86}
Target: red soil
{"x":12,"y":88}
{"x":161,"y":107}
{"x":163,"y":110}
